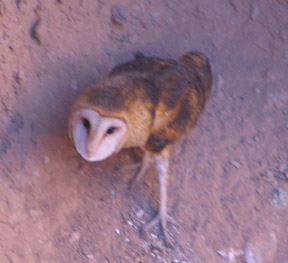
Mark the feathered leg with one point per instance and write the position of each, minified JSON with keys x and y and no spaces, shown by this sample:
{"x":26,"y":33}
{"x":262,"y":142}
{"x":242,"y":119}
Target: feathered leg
{"x":141,"y":171}
{"x":162,"y":164}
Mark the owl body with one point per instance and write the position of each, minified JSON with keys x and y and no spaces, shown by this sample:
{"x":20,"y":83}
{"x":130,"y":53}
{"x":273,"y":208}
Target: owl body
{"x":157,"y":99}
{"x":147,"y":103}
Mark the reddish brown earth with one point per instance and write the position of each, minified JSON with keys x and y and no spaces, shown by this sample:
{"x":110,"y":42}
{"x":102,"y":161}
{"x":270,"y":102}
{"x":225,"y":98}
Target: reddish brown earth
{"x":229,"y":185}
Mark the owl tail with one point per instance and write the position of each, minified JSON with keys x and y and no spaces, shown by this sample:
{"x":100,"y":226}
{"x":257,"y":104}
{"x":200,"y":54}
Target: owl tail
{"x":196,"y":61}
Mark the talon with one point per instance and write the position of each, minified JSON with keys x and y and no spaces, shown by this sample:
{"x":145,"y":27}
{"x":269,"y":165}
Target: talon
{"x":152,"y":223}
{"x":163,"y":220}
{"x":172,"y":220}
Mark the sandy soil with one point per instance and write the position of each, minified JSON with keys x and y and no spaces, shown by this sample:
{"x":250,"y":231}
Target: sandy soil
{"x":229,"y":185}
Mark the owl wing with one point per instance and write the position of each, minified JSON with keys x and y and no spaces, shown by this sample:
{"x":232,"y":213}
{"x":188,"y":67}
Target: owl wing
{"x":142,"y":64}
{"x":184,"y":88}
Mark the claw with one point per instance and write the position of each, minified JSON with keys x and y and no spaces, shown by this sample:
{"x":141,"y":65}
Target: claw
{"x":163,"y":220}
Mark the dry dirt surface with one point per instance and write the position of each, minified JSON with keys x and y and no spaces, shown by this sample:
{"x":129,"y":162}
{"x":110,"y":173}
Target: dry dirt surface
{"x":228,"y":189}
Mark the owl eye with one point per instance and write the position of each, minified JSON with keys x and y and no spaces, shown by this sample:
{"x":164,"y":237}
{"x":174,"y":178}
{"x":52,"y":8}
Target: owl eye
{"x":111,"y":130}
{"x":86,"y":123}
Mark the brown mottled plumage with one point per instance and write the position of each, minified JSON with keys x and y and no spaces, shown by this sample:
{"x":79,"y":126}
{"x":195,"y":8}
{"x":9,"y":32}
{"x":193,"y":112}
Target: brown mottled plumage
{"x":153,"y":101}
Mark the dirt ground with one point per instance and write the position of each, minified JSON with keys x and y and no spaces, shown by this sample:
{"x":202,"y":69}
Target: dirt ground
{"x":229,"y":185}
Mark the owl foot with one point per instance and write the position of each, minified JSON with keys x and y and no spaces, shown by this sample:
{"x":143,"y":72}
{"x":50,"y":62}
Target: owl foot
{"x":163,"y":219}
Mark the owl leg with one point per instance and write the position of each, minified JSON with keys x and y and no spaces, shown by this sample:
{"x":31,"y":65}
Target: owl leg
{"x":162,"y":163}
{"x":141,"y":171}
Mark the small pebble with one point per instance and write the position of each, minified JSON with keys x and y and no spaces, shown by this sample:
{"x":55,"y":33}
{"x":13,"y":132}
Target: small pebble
{"x":140,"y":213}
{"x":129,"y":223}
{"x":89,"y":256}
{"x":261,"y":248}
{"x":248,"y":255}
{"x":256,"y":137}
{"x":220,"y":82}
{"x":235,"y":164}
{"x":127,"y":240}
{"x":231,"y":255}
{"x":75,"y":236}
{"x":118,"y":14}
{"x":34,"y":213}
{"x":153,"y":236}
{"x":117,"y":231}
{"x":280,"y":198}
{"x":269,"y":174}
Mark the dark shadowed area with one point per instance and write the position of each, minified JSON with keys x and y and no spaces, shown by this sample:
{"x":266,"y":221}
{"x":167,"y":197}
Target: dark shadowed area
{"x":228,"y":189}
